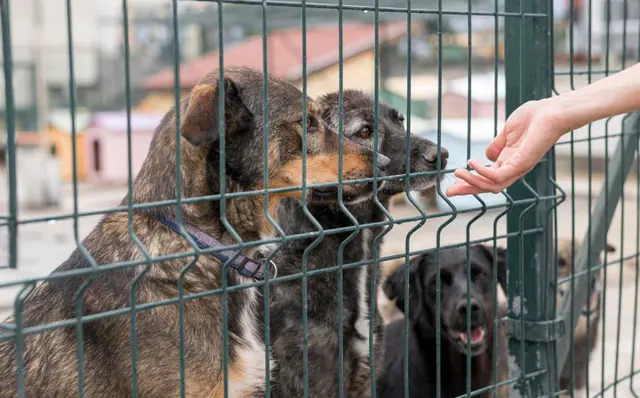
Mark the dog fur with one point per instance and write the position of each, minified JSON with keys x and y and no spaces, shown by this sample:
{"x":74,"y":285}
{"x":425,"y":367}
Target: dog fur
{"x":422,"y":325}
{"x":582,"y":347}
{"x":51,"y":357}
{"x":323,"y":289}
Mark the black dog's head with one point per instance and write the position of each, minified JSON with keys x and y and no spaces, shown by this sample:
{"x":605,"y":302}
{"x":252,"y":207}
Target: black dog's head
{"x":459,"y":300}
{"x":358,"y":124}
{"x":245,"y":129}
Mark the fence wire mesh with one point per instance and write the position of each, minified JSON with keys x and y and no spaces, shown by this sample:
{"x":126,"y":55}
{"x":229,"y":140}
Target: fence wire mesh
{"x":251,"y":258}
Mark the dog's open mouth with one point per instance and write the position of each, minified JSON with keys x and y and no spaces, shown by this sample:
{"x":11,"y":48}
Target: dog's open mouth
{"x":474,"y":340}
{"x":476,"y":336}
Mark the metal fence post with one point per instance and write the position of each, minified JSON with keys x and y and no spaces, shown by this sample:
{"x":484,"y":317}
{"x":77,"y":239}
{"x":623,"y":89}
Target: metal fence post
{"x":7,"y":61}
{"x":531,"y":323}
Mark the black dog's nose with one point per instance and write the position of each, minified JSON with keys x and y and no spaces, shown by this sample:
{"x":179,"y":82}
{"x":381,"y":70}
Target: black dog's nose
{"x":431,"y":156}
{"x":383,"y":162}
{"x":462,"y":308}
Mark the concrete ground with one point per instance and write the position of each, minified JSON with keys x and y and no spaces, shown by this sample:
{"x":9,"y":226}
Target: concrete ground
{"x":46,"y":244}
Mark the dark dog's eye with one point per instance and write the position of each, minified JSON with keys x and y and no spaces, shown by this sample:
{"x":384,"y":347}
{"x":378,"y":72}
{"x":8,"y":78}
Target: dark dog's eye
{"x":312,"y":125}
{"x":445,"y":279}
{"x":365,"y":132}
{"x":400,"y":119}
{"x":477,"y":275}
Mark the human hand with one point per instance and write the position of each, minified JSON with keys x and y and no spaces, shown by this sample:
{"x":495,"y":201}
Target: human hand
{"x":529,"y":132}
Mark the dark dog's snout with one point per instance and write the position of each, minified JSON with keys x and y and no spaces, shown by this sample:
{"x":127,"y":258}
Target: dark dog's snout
{"x":431,"y":156}
{"x":463,"y":309}
{"x":383,"y":162}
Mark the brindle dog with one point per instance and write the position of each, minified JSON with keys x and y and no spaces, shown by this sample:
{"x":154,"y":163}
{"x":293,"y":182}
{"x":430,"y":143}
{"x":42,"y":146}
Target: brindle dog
{"x":582,"y":347}
{"x":323,"y":289}
{"x":50,"y":360}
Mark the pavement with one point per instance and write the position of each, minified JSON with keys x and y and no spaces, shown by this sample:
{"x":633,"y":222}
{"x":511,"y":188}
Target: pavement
{"x":46,"y":244}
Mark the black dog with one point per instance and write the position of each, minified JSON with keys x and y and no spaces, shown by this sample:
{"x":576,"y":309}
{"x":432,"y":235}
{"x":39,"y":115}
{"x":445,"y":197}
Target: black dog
{"x":323,"y":292}
{"x":455,"y":308}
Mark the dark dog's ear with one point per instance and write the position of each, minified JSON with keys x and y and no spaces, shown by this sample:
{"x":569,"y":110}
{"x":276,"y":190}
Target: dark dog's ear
{"x":394,"y":288}
{"x":201,"y":120}
{"x":501,"y":262}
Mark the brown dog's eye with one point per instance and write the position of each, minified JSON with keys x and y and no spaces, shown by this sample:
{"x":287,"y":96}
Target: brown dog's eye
{"x":365,"y":132}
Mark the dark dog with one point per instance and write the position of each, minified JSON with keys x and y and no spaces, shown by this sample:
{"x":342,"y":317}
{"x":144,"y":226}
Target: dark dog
{"x":582,"y":347}
{"x":50,"y":360}
{"x":455,"y":339}
{"x":323,"y":290}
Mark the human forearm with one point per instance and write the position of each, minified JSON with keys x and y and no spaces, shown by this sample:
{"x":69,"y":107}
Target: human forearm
{"x":611,"y":96}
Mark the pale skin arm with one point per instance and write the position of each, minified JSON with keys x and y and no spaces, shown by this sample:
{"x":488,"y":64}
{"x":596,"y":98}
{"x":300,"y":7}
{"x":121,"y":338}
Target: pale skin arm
{"x":533,"y":128}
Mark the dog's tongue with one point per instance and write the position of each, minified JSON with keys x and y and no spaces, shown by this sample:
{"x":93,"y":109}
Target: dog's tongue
{"x":477,"y":334}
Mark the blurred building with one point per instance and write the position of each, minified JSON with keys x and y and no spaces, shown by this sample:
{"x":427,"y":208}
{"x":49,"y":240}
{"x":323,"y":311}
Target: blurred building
{"x":59,"y":137}
{"x":106,"y":145}
{"x":285,"y":60}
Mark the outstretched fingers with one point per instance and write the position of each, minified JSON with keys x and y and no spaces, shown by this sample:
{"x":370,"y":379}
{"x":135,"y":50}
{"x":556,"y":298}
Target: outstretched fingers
{"x":478,"y":181}
{"x":460,"y":188}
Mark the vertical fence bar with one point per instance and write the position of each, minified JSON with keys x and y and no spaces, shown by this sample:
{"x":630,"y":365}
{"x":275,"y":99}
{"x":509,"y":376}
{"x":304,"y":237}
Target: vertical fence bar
{"x":316,"y":242}
{"x":527,"y":78}
{"x":483,"y":206}
{"x":79,"y":296}
{"x":632,"y":370}
{"x":265,"y":177}
{"x":7,"y":63}
{"x":132,"y":234}
{"x":622,"y":224}
{"x":438,"y":235}
{"x":496,"y":320}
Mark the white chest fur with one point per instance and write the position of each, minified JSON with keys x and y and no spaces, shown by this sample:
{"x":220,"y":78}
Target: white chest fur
{"x":362,"y":322}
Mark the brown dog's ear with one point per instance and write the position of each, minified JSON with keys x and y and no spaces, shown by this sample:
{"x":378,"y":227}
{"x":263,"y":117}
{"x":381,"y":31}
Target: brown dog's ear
{"x":201,"y":120}
{"x":394,"y":288}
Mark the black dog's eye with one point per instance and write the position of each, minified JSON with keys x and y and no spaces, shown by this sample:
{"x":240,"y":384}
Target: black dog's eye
{"x":477,"y":275}
{"x":445,"y":279}
{"x":365,"y":132}
{"x":400,"y":119}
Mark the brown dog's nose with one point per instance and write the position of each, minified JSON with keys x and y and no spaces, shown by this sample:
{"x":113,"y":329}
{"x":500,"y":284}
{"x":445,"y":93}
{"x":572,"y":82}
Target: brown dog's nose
{"x":383,"y":162}
{"x":431,"y":156}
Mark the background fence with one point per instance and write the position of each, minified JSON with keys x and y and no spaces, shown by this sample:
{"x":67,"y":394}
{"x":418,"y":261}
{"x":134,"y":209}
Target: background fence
{"x":585,"y":190}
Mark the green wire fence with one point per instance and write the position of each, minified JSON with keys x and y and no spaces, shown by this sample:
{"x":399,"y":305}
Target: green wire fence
{"x":536,"y":210}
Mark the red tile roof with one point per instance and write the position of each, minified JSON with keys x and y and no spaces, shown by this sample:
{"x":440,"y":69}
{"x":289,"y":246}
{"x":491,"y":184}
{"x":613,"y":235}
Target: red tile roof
{"x":284,"y":50}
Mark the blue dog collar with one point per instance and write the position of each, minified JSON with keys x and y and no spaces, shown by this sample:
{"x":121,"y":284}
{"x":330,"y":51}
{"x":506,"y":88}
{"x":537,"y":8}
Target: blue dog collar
{"x":244,"y":265}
